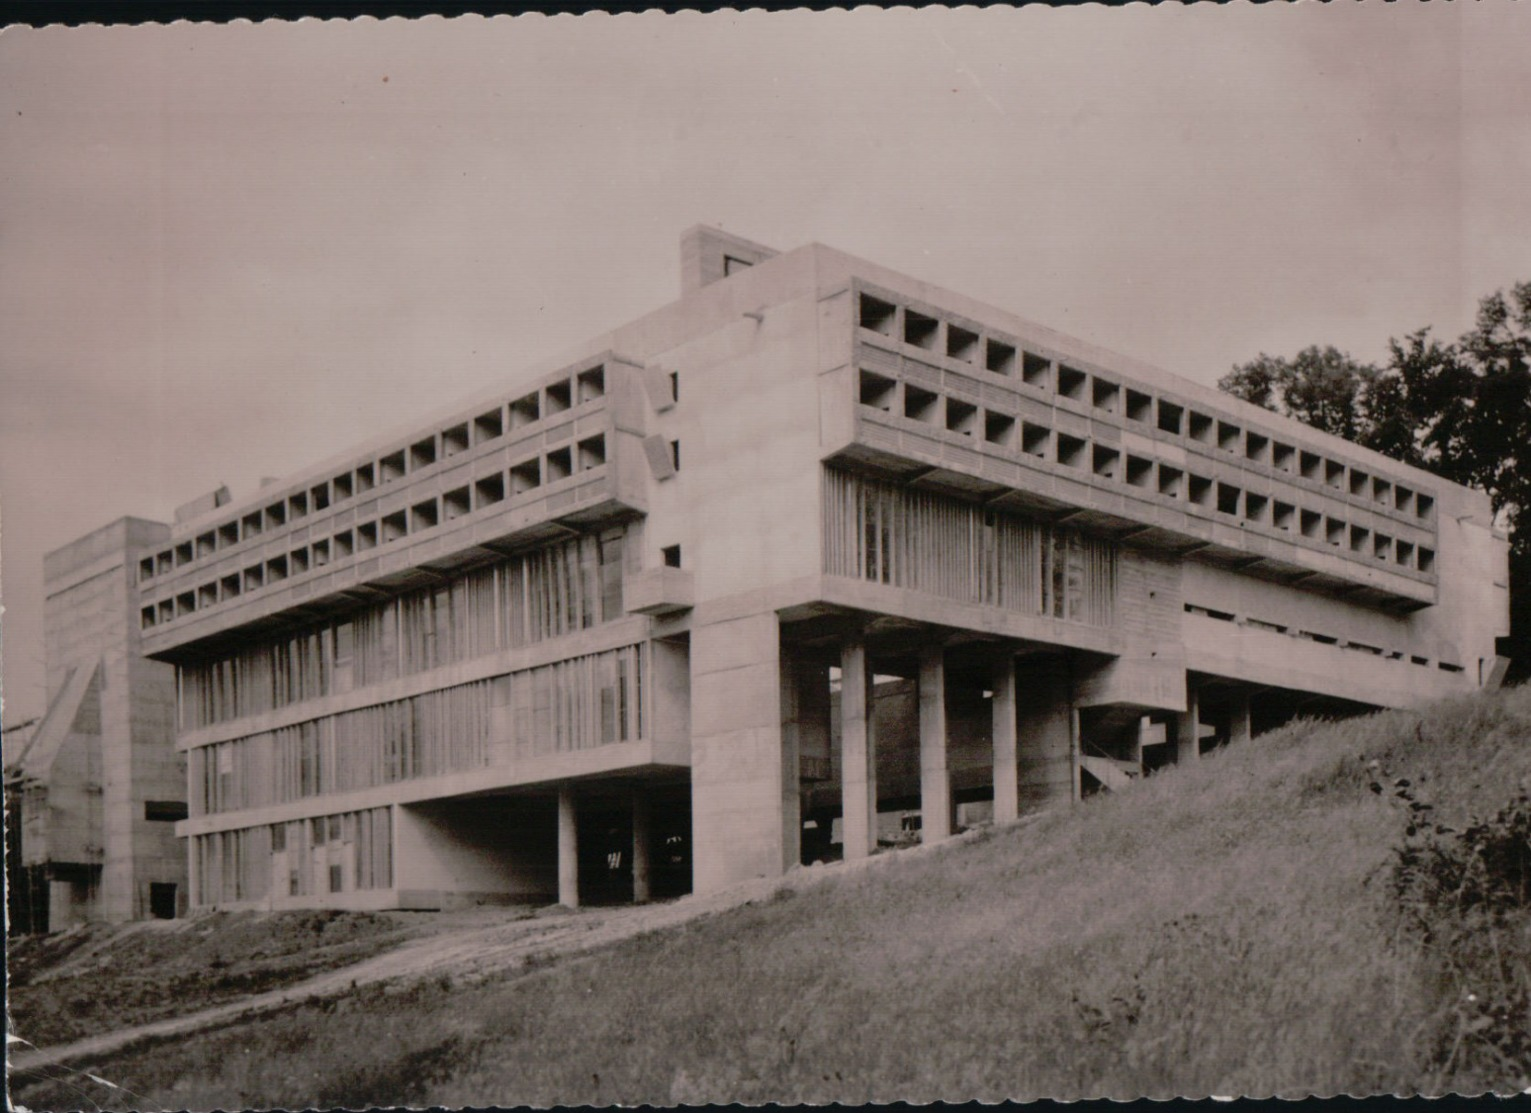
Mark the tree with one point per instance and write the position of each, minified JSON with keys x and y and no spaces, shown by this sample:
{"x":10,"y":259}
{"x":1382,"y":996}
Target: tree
{"x":1460,"y":410}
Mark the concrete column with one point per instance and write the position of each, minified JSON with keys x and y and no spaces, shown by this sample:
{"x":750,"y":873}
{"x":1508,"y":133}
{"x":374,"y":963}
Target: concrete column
{"x":1045,"y":733}
{"x":1238,"y":718}
{"x":858,"y":754}
{"x":1006,"y":775}
{"x":640,"y":846}
{"x":568,"y":849}
{"x":744,"y":776}
{"x":1188,"y":729}
{"x":935,"y":779}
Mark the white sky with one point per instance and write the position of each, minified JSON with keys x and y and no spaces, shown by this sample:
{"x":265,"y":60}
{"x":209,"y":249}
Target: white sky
{"x":231,"y":251}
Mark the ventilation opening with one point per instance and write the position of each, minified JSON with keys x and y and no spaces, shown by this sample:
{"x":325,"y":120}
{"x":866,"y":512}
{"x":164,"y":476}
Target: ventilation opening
{"x":1036,"y":370}
{"x":1071,"y":451}
{"x":1170,"y":417}
{"x":1201,"y":490}
{"x":1071,"y":382}
{"x":920,"y":330}
{"x":391,"y":467}
{"x":454,"y":440}
{"x":591,"y":384}
{"x":1104,"y":461}
{"x":456,"y":503}
{"x":999,"y":428}
{"x":961,"y":343}
{"x":524,"y":411}
{"x":1228,"y":436}
{"x":999,"y":357}
{"x":1171,"y":482}
{"x":961,"y":417}
{"x":1140,"y":472}
{"x":489,"y":490}
{"x":592,"y":453}
{"x":920,"y":404}
{"x":877,"y":315}
{"x":560,"y":464}
{"x":671,"y":556}
{"x":1200,"y":428}
{"x":1035,"y":439}
{"x":489,"y":426}
{"x":1106,"y":396}
{"x":878,"y":392}
{"x":1228,"y":498}
{"x":525,"y":476}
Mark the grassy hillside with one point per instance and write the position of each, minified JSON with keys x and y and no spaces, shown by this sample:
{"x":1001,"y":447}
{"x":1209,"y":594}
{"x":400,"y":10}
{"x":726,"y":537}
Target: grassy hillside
{"x":1240,"y":926}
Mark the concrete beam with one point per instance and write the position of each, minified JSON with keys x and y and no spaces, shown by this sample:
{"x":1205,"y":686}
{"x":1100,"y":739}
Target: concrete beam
{"x":935,"y":779}
{"x":858,"y":754}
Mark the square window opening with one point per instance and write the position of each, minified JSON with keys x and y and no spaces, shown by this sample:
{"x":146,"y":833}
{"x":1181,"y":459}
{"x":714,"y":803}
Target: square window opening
{"x":321,"y":552}
{"x":228,"y":535}
{"x":1171,"y":481}
{"x":998,"y":428}
{"x":1311,"y":523}
{"x":592,"y":452}
{"x":1282,"y":516}
{"x":1140,"y":406}
{"x":1360,"y":482}
{"x":345,"y":544}
{"x":1229,"y":437}
{"x":1071,"y":451}
{"x":961,"y":343}
{"x":591,"y":384}
{"x":456,"y":503}
{"x":253,"y":524}
{"x":1382,"y":491}
{"x":999,"y":357}
{"x":185,"y":603}
{"x":254,"y":577}
{"x":920,"y":329}
{"x":524,"y":411}
{"x":1035,"y":439}
{"x":1201,"y":427}
{"x":1228,"y":498}
{"x":1311,"y":466}
{"x":207,"y":594}
{"x":556,"y":397}
{"x":1105,"y":461}
{"x":489,"y":426}
{"x":276,"y":569}
{"x":1257,"y":447}
{"x":1200,"y":490}
{"x":276,"y":515}
{"x":422,"y":454}
{"x":1170,"y":417}
{"x":1106,"y":396}
{"x":454,"y":440}
{"x":1382,"y":547}
{"x":920,"y":404}
{"x":230,"y":586}
{"x":1283,"y":457}
{"x":395,"y":527}
{"x":1403,"y":553}
{"x":1255,"y":506}
{"x":1036,"y":370}
{"x":671,"y":555}
{"x":1334,"y":532}
{"x":319,"y":497}
{"x":367,"y":536}
{"x":343,"y":485}
{"x":878,"y":391}
{"x":1426,"y":561}
{"x":423,"y":515}
{"x":207,"y":544}
{"x":391,"y":468}
{"x":183,"y":553}
{"x":877,"y":315}
{"x":1140,"y":471}
{"x":560,"y":464}
{"x":1071,"y":382}
{"x":961,"y":417}
{"x":1423,"y":505}
{"x":1359,"y":537}
{"x":525,"y":476}
{"x":489,"y":490}
{"x":297,"y":560}
{"x":1334,"y":474}
{"x":297,"y":505}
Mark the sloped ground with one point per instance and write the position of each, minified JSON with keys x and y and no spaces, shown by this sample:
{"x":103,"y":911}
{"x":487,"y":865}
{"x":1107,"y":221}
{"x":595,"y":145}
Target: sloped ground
{"x":1234,"y":927}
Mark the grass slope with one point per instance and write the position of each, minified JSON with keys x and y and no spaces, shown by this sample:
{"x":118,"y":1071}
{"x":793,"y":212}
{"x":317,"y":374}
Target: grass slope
{"x":1224,"y":928}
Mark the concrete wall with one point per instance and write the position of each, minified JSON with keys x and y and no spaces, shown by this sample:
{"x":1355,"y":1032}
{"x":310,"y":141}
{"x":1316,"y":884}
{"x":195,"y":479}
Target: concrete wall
{"x":492,"y":850}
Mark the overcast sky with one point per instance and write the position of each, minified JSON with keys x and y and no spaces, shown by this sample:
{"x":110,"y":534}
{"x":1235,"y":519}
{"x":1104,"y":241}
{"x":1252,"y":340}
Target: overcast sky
{"x":231,"y":251}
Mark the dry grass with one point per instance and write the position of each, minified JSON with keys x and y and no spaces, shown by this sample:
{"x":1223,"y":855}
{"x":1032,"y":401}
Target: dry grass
{"x":1225,"y":928}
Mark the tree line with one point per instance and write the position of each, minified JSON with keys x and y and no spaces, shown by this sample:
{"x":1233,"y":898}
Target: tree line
{"x":1460,"y":409}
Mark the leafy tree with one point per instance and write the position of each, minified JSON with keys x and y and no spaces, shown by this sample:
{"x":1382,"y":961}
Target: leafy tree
{"x":1460,"y":410}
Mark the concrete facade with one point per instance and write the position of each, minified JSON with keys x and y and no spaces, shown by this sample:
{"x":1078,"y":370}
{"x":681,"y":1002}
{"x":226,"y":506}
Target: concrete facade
{"x":99,"y":785}
{"x":816,"y":559}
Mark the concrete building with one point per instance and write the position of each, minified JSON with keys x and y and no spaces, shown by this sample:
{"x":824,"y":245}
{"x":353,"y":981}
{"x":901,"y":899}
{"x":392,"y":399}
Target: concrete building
{"x":95,"y":787}
{"x":815,"y":557}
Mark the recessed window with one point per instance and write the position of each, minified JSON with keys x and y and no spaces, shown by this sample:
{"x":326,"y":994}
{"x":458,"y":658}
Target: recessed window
{"x":342,"y":486}
{"x":391,"y":467}
{"x":1170,"y":416}
{"x":671,"y":555}
{"x":165,"y":811}
{"x":1359,"y":481}
{"x":276,"y":569}
{"x":999,"y":357}
{"x":1036,"y":370}
{"x":228,"y":535}
{"x":877,"y":391}
{"x":524,"y":411}
{"x":1140,"y":472}
{"x":454,"y":440}
{"x":255,"y":576}
{"x":422,"y":454}
{"x":489,"y":490}
{"x":297,"y":560}
{"x":1106,"y":396}
{"x":1403,"y":499}
{"x":920,"y":329}
{"x":1255,"y":506}
{"x":252,"y":525}
{"x":920,"y":404}
{"x":961,"y":343}
{"x":395,"y":526}
{"x":877,"y":315}
{"x":1140,"y":406}
{"x":1382,"y":547}
{"x":1312,"y":523}
{"x":1403,"y":553}
{"x":1071,"y":451}
{"x":560,"y":464}
{"x":525,"y":477}
{"x":1334,"y":474}
{"x":146,"y":569}
{"x":1035,"y":439}
{"x":488,"y":426}
{"x":1071,"y":382}
{"x":557,"y":397}
{"x":1229,"y":436}
{"x":345,"y":544}
{"x":1423,"y":505}
{"x":1171,"y":481}
{"x":1283,"y":515}
{"x":183,"y":554}
{"x":367,"y":536}
{"x":456,"y":503}
{"x":1426,"y":561}
{"x":1257,"y":447}
{"x":229,"y":586}
{"x":1283,"y":457}
{"x":146,"y":618}
{"x":1200,"y":490}
{"x":321,"y":552}
{"x":592,"y":452}
{"x":276,"y":515}
{"x":366,"y":478}
{"x":207,"y":594}
{"x":1228,"y":498}
{"x":1359,"y":539}
{"x":961,"y":417}
{"x":1312,"y":466}
{"x":1200,"y":428}
{"x":319,"y":497}
{"x":591,"y":384}
{"x":207,"y":544}
{"x":1104,"y":461}
{"x":998,"y":428}
{"x":297,"y":505}
{"x":1334,"y":531}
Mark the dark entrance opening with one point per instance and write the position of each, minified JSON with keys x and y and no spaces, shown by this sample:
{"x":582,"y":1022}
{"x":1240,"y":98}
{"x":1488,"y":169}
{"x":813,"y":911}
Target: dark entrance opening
{"x":162,"y":900}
